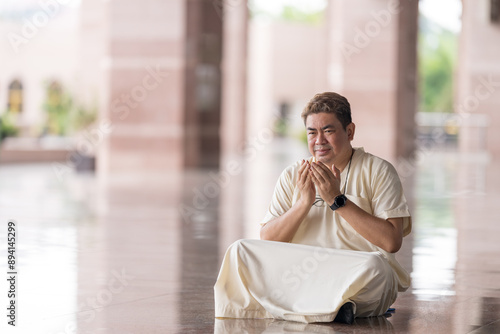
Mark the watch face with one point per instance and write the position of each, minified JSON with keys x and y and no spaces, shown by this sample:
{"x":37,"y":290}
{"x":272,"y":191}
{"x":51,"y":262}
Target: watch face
{"x":340,"y":201}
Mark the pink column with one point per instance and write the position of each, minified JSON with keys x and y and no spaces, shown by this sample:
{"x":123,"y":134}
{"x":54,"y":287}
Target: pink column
{"x":203,"y":84}
{"x":144,"y":85}
{"x":373,"y":63}
{"x":234,"y":64}
{"x":234,"y":15}
{"x":478,"y":90}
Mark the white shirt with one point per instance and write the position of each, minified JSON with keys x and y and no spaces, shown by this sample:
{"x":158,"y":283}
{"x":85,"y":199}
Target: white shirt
{"x":373,"y":184}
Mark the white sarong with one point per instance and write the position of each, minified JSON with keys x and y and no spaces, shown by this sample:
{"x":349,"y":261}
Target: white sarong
{"x":300,"y":282}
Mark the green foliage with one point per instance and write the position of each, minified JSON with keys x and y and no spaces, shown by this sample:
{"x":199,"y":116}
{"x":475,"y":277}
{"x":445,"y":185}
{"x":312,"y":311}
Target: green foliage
{"x":312,"y":14}
{"x":58,"y":105}
{"x":437,"y":59}
{"x":64,"y":116}
{"x":291,"y":13}
{"x":83,"y":117}
{"x":302,"y":136}
{"x":281,"y":127}
{"x":7,"y":126}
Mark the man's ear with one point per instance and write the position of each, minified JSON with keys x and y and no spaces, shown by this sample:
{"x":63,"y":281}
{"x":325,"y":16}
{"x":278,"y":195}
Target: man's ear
{"x":351,"y":129}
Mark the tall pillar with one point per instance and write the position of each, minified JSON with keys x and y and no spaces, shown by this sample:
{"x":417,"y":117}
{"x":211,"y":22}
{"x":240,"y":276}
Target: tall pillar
{"x":373,"y":63}
{"x":479,"y":79}
{"x":203,"y":84}
{"x":91,"y":51}
{"x":162,"y":85}
{"x":144,"y":94}
{"x":234,"y":16}
{"x":234,"y":77}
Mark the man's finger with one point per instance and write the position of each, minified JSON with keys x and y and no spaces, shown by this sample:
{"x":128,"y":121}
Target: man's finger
{"x":322,"y":166}
{"x":302,"y":169}
{"x":321,"y":173}
{"x":302,"y":165}
{"x":305,"y":176}
{"x":309,"y":180}
{"x":315,"y":174}
{"x":319,"y":180}
{"x":336,"y":172}
{"x":325,"y":169}
{"x":313,"y":177}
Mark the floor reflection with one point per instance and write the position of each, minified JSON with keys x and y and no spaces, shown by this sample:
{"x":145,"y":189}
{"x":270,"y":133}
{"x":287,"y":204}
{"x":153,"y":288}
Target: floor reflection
{"x":261,"y":326}
{"x":46,"y":244}
{"x":434,"y":233}
{"x":140,"y":253}
{"x":434,"y":260}
{"x":198,"y":250}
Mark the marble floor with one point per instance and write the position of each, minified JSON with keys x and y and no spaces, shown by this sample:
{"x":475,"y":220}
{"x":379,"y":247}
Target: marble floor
{"x":140,"y":253}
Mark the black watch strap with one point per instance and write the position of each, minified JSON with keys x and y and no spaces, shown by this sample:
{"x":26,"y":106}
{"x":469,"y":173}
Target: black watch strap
{"x":338,"y":202}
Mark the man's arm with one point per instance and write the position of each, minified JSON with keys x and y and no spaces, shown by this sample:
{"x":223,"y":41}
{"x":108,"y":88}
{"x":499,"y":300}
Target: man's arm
{"x":386,"y":234}
{"x":284,"y":227}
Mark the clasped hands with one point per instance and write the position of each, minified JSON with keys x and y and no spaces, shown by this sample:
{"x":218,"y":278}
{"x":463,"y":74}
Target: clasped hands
{"x":317,"y":175}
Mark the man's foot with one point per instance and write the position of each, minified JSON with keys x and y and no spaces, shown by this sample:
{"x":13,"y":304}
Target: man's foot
{"x":345,"y":314}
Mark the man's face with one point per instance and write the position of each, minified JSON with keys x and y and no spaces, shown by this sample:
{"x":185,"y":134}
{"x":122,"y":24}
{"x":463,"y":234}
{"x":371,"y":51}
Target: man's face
{"x":327,"y":140}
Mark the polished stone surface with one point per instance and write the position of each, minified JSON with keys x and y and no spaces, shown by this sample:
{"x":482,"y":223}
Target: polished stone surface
{"x":140,"y":253}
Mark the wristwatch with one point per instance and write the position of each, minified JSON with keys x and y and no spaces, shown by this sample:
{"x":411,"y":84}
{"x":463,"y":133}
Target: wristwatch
{"x":338,"y":202}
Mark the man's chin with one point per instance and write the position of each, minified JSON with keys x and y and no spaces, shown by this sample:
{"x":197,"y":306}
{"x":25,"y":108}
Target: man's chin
{"x":322,"y":159}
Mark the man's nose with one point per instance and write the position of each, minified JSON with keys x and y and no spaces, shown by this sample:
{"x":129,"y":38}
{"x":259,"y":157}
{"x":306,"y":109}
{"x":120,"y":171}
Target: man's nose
{"x":320,"y":138}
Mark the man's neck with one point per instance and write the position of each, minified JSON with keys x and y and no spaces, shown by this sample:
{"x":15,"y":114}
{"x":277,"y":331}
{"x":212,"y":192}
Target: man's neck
{"x":345,"y":159}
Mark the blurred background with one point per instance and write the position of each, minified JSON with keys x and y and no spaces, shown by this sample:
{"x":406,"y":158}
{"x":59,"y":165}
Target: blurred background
{"x":198,"y":78}
{"x":148,"y":135}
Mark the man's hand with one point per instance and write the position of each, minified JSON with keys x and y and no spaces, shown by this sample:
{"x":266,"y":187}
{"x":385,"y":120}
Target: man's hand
{"x":386,"y":234}
{"x":306,"y":185}
{"x":284,"y":227}
{"x":326,"y":180}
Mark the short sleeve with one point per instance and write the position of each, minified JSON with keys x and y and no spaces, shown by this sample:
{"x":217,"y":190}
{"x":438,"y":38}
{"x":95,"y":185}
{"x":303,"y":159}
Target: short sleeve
{"x":282,"y":197}
{"x":388,"y":199}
